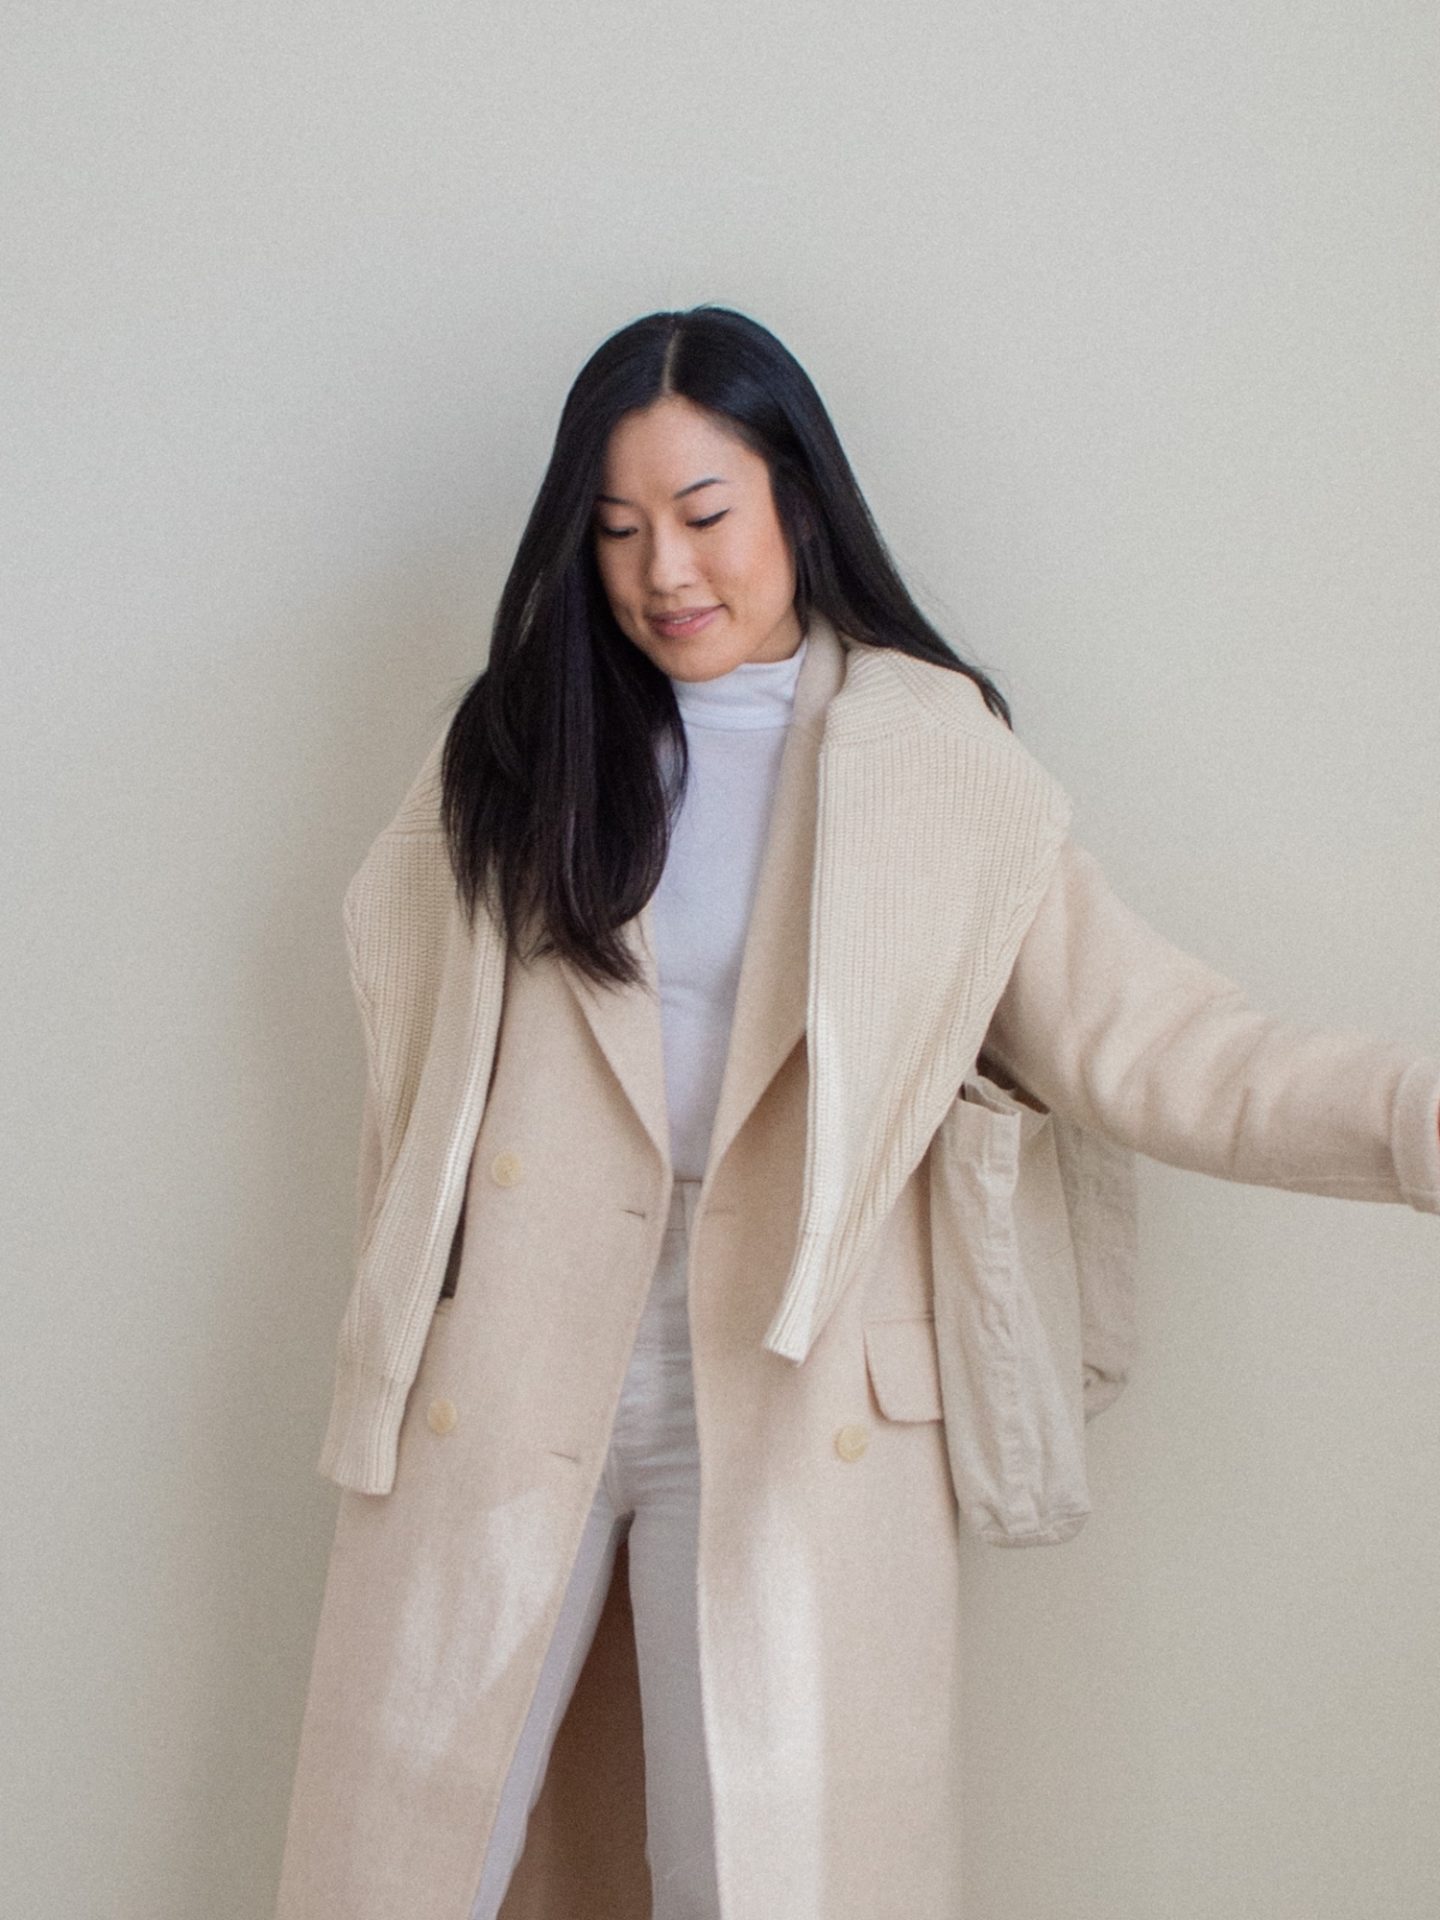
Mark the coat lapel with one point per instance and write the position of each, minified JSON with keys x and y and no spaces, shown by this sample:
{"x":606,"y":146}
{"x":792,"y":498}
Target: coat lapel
{"x":770,"y":998}
{"x":626,"y":1024}
{"x":910,"y":841}
{"x":770,"y":1001}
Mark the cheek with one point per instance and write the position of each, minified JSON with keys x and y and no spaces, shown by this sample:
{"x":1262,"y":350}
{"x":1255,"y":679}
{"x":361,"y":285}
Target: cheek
{"x":773,"y":565}
{"x":609,"y":558}
{"x":757,"y":565}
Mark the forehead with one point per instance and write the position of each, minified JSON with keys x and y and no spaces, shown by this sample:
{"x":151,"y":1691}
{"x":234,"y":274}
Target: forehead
{"x":672,"y":442}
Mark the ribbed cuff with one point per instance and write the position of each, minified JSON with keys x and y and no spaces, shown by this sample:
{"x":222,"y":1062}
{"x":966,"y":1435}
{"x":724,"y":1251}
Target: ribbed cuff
{"x":1415,"y":1140}
{"x":362,"y":1438}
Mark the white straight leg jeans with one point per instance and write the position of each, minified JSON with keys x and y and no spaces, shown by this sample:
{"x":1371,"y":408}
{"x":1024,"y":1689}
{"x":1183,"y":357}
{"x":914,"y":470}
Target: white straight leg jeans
{"x":650,"y":1489}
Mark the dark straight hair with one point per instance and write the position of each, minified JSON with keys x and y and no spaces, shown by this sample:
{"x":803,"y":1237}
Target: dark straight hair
{"x":556,"y":803}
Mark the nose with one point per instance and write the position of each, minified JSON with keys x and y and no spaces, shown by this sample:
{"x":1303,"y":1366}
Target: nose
{"x":670,"y":563}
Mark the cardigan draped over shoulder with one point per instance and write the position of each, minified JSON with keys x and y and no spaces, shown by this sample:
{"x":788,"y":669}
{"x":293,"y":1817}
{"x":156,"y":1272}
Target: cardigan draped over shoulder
{"x":948,"y":910}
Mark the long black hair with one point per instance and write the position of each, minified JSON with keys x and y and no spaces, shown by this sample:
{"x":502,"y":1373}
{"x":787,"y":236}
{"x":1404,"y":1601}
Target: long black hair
{"x":555,"y":800}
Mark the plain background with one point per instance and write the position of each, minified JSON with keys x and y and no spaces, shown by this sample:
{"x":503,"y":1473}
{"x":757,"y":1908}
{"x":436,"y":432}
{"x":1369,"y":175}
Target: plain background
{"x":1126,"y":314}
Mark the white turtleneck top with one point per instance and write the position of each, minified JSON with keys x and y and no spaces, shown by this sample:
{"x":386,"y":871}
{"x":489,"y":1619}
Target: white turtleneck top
{"x":735,"y":729}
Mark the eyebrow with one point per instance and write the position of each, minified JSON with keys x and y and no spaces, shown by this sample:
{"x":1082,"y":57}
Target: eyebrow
{"x":715,"y":480}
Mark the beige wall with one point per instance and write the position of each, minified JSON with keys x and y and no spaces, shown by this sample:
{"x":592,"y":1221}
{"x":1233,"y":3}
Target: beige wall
{"x":1127,"y":316}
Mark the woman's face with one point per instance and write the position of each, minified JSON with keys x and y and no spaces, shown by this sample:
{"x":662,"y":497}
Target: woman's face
{"x":685,"y":523}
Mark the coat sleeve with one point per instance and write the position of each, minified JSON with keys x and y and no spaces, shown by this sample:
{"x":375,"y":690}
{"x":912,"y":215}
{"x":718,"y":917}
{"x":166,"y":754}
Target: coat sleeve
{"x":1116,"y":1029}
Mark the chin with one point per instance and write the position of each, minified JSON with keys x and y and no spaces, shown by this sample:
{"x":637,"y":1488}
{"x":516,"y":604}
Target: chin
{"x":699,"y":665}
{"x":693,"y":659}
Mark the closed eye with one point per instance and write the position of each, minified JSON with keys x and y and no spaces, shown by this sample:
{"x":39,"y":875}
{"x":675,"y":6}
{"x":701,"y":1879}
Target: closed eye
{"x":623,"y":533}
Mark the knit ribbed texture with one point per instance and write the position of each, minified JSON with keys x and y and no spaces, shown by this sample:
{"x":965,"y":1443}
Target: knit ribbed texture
{"x":419,"y":977}
{"x":1415,"y":1137}
{"x":911,"y":936}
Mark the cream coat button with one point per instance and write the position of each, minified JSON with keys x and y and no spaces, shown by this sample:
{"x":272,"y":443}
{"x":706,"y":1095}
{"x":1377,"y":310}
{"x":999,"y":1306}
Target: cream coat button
{"x":442,"y":1416}
{"x":851,"y":1442}
{"x":505,"y":1169}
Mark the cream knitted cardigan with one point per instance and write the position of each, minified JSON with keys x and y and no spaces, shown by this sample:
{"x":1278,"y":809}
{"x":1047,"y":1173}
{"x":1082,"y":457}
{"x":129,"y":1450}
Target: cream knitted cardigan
{"x":937,"y":835}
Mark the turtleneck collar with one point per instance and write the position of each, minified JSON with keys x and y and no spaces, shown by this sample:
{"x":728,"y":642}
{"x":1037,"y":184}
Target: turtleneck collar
{"x":757,"y":693}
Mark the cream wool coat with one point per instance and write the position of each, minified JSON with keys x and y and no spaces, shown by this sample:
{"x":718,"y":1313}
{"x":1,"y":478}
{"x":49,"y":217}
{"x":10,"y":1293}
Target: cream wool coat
{"x":908,"y":1287}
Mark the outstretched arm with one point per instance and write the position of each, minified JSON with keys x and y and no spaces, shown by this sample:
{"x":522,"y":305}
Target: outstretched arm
{"x":1115,"y":1028}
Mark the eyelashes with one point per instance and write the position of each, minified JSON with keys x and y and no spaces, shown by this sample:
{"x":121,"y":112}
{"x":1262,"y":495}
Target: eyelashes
{"x":623,"y":533}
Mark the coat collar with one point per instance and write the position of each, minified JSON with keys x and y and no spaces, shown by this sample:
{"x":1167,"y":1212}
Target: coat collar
{"x":910,"y":839}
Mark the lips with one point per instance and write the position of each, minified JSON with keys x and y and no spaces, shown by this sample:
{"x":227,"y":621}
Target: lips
{"x":684,"y":620}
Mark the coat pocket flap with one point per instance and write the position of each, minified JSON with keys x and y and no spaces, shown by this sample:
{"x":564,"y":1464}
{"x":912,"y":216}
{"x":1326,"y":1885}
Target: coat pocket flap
{"x":904,"y":1367}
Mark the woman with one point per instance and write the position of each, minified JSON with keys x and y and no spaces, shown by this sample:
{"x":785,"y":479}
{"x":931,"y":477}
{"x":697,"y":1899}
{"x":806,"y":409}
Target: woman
{"x":754,"y":1064}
